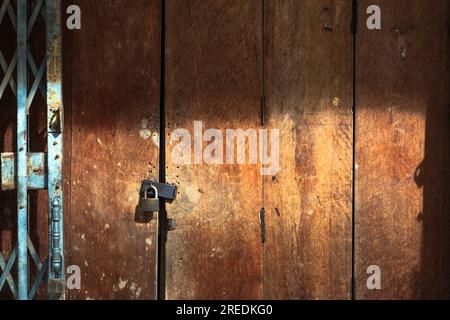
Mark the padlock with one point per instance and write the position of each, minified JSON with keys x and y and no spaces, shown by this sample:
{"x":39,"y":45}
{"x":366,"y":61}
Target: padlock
{"x":150,"y":204}
{"x":146,"y":207}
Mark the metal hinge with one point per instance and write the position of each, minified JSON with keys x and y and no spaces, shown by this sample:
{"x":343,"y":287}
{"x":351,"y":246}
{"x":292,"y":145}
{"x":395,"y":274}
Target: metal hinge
{"x":262,"y":219}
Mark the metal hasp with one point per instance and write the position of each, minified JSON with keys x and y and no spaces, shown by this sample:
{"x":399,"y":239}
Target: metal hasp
{"x":23,"y":170}
{"x":165,"y":191}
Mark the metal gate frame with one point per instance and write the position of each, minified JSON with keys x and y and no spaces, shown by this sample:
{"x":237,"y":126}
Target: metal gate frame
{"x":23,"y":170}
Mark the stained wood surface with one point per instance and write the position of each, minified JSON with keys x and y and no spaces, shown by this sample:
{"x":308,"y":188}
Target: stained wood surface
{"x":402,"y":130}
{"x":309,"y":99}
{"x":213,"y":61}
{"x":114,"y":139}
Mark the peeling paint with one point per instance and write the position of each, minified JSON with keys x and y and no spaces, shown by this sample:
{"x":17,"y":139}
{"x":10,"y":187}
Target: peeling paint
{"x":135,"y":290}
{"x":155,"y":139}
{"x":122,"y":284}
{"x":145,"y":134}
{"x":336,"y":101}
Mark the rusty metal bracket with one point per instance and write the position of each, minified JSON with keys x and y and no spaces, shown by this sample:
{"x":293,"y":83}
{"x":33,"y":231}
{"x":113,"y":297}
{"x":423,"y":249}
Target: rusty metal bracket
{"x":36,"y":167}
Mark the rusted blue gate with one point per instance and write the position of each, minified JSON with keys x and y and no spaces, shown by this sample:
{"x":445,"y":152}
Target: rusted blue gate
{"x":23,"y":170}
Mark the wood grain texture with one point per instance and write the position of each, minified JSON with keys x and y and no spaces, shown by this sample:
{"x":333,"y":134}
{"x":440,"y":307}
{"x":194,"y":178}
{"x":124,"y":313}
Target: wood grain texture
{"x":213,"y":52}
{"x":309,"y":99}
{"x":402,"y":129}
{"x":114,"y":139}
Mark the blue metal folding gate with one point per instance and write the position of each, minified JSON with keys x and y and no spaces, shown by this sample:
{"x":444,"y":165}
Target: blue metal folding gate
{"x":24,"y":170}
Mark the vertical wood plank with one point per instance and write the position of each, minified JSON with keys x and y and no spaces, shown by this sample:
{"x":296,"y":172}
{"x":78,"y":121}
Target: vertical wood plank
{"x":114,"y":139}
{"x":213,"y":61}
{"x":309,"y":99}
{"x":402,"y":130}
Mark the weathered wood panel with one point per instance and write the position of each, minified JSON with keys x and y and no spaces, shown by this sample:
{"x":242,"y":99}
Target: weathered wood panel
{"x":214,"y":75}
{"x":114,"y":139}
{"x":402,"y":130}
{"x":309,"y":99}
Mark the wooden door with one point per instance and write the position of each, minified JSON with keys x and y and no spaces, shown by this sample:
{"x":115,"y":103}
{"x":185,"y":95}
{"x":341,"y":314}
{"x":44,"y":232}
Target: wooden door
{"x":275,"y":65}
{"x":114,"y":145}
{"x":362,"y":173}
{"x":402,"y":142}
